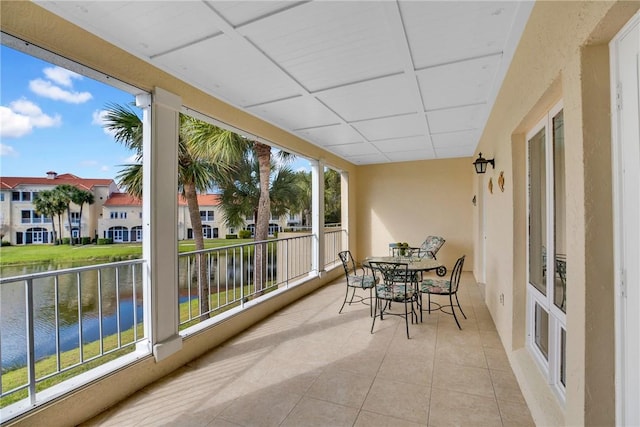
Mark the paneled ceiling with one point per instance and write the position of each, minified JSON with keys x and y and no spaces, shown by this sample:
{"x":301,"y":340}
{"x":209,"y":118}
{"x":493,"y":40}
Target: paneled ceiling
{"x":371,"y":81}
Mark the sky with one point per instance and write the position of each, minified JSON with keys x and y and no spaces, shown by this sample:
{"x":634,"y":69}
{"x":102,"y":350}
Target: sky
{"x":50,"y":120}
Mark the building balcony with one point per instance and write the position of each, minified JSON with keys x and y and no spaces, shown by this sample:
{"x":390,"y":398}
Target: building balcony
{"x":309,"y":365}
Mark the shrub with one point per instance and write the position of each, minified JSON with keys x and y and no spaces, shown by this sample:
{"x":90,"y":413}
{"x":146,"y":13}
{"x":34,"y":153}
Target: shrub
{"x":105,"y":241}
{"x":244,"y":234}
{"x":231,"y":236}
{"x":5,"y":243}
{"x":86,"y":240}
{"x":66,"y":241}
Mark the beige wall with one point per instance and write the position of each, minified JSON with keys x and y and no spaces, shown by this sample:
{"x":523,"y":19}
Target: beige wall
{"x":563,"y":55}
{"x":406,"y":202}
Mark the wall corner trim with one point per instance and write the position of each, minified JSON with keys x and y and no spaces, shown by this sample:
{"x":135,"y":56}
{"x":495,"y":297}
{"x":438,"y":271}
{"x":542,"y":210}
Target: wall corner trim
{"x":167,"y":99}
{"x":167,"y":347}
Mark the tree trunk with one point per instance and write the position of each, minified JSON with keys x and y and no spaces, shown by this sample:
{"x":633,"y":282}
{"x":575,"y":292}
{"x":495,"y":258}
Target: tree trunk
{"x":70,"y":226}
{"x":201,"y":259}
{"x":263,"y":152}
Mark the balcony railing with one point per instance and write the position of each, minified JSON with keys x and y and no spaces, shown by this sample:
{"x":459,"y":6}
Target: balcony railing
{"x":58,"y":324}
{"x":231,"y":277}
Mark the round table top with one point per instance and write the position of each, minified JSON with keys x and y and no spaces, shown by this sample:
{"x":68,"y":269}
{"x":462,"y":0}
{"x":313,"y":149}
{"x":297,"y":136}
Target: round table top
{"x":413,"y":263}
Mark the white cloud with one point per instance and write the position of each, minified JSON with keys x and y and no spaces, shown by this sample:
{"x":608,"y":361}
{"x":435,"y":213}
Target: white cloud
{"x":105,"y":168}
{"x":131,"y":160}
{"x":22,"y":116}
{"x":61,"y":76}
{"x":98,"y":119}
{"x":47,"y":89}
{"x":7,"y":151}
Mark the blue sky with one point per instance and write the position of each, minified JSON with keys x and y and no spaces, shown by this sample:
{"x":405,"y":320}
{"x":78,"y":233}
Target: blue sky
{"x":50,"y":121}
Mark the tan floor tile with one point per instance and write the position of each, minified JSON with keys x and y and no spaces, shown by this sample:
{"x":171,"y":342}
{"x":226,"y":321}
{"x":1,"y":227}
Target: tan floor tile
{"x":407,"y":368}
{"x":506,"y":386}
{"x":397,"y":399}
{"x":463,"y":379}
{"x":314,"y":412}
{"x":265,"y":407}
{"x":497,"y":359}
{"x":466,"y":355}
{"x":450,"y":408}
{"x":371,"y":419}
{"x":341,"y":387}
{"x":515,"y":414}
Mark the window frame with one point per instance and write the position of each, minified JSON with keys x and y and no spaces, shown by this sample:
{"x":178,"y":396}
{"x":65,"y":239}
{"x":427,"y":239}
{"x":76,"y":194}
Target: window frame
{"x":552,"y":366}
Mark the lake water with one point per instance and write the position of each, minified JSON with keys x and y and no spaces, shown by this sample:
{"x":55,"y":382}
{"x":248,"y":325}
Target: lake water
{"x":13,"y":333}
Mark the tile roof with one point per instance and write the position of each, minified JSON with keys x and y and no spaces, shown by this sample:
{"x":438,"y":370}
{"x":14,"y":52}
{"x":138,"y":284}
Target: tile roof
{"x":10,"y":182}
{"x":124,"y":199}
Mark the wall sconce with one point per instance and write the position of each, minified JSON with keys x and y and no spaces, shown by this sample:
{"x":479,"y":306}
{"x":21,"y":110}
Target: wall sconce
{"x":481,"y":164}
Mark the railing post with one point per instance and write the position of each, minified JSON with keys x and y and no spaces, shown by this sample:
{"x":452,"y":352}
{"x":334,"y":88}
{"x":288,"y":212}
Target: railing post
{"x":31,"y":351}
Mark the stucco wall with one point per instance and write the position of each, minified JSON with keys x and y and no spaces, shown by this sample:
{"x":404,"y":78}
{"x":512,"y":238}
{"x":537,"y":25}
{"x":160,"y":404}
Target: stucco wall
{"x":563,"y":55}
{"x":406,"y":202}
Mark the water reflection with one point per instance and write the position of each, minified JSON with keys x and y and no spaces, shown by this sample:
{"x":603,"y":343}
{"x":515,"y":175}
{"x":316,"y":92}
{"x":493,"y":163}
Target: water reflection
{"x":82,"y":305}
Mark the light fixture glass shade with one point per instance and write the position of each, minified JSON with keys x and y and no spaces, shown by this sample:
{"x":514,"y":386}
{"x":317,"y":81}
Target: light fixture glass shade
{"x":481,"y":164}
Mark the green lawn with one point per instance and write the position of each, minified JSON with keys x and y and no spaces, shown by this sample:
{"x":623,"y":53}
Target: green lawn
{"x":27,"y":254}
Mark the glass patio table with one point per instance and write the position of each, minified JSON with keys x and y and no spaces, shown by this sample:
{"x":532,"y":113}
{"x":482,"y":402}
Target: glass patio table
{"x":414,"y":264}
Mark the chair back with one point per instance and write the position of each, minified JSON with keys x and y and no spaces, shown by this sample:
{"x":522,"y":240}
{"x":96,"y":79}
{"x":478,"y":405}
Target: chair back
{"x":456,"y":273}
{"x":348,"y":263}
{"x":431,"y":246}
{"x":395,"y":284}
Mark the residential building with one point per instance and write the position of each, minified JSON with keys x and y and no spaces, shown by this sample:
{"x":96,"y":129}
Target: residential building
{"x":23,"y":225}
{"x":560,"y":199}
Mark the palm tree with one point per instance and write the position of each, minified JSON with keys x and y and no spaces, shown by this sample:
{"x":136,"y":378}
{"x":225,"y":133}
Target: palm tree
{"x":80,"y":197}
{"x":203,"y":153}
{"x":48,"y":204}
{"x":304,"y":202}
{"x":332,"y":202}
{"x":67,"y":193}
{"x":242,"y":197}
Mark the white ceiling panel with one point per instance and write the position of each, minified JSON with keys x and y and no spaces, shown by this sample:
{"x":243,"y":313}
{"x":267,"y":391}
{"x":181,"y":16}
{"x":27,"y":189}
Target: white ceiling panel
{"x":403,"y":144}
{"x":296,"y":113}
{"x":382,"y":97}
{"x":372,"y":81}
{"x":454,"y":139}
{"x":331,"y":135}
{"x":409,"y":156}
{"x":473,"y":28}
{"x":327,"y":44}
{"x":214,"y":75}
{"x":151,"y":27}
{"x":391,"y":127}
{"x":460,"y":118}
{"x":474,"y":80}
{"x":238,"y":13}
{"x":356,"y":149}
{"x":368,"y":159}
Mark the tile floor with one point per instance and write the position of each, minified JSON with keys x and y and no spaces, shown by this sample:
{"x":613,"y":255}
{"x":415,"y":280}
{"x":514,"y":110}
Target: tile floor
{"x":307,"y":365}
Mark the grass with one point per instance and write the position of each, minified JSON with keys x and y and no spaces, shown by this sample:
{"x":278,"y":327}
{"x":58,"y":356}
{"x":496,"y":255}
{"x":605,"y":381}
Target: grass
{"x":30,"y":254}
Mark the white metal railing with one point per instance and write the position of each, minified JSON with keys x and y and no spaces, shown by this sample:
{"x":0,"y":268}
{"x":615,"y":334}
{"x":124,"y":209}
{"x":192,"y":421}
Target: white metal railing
{"x":231,"y":276}
{"x":333,"y":243}
{"x":58,"y":324}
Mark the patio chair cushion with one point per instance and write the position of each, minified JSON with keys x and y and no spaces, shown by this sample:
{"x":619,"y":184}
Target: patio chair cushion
{"x":396,"y":292}
{"x":435,"y":286}
{"x":431,"y":246}
{"x":365,"y":282}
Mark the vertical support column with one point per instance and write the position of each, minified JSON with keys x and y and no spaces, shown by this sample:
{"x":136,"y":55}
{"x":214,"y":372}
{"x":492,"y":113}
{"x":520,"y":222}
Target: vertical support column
{"x":160,"y":219}
{"x":344,"y":210}
{"x":317,"y":216}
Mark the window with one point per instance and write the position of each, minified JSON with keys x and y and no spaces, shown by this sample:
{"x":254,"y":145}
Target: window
{"x":75,"y":217}
{"x":1,"y":197}
{"x":117,"y":214}
{"x":32,"y":217}
{"x":547,"y":260}
{"x":113,"y":215}
{"x":15,"y":196}
{"x":123,"y":215}
{"x":206,"y":215}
